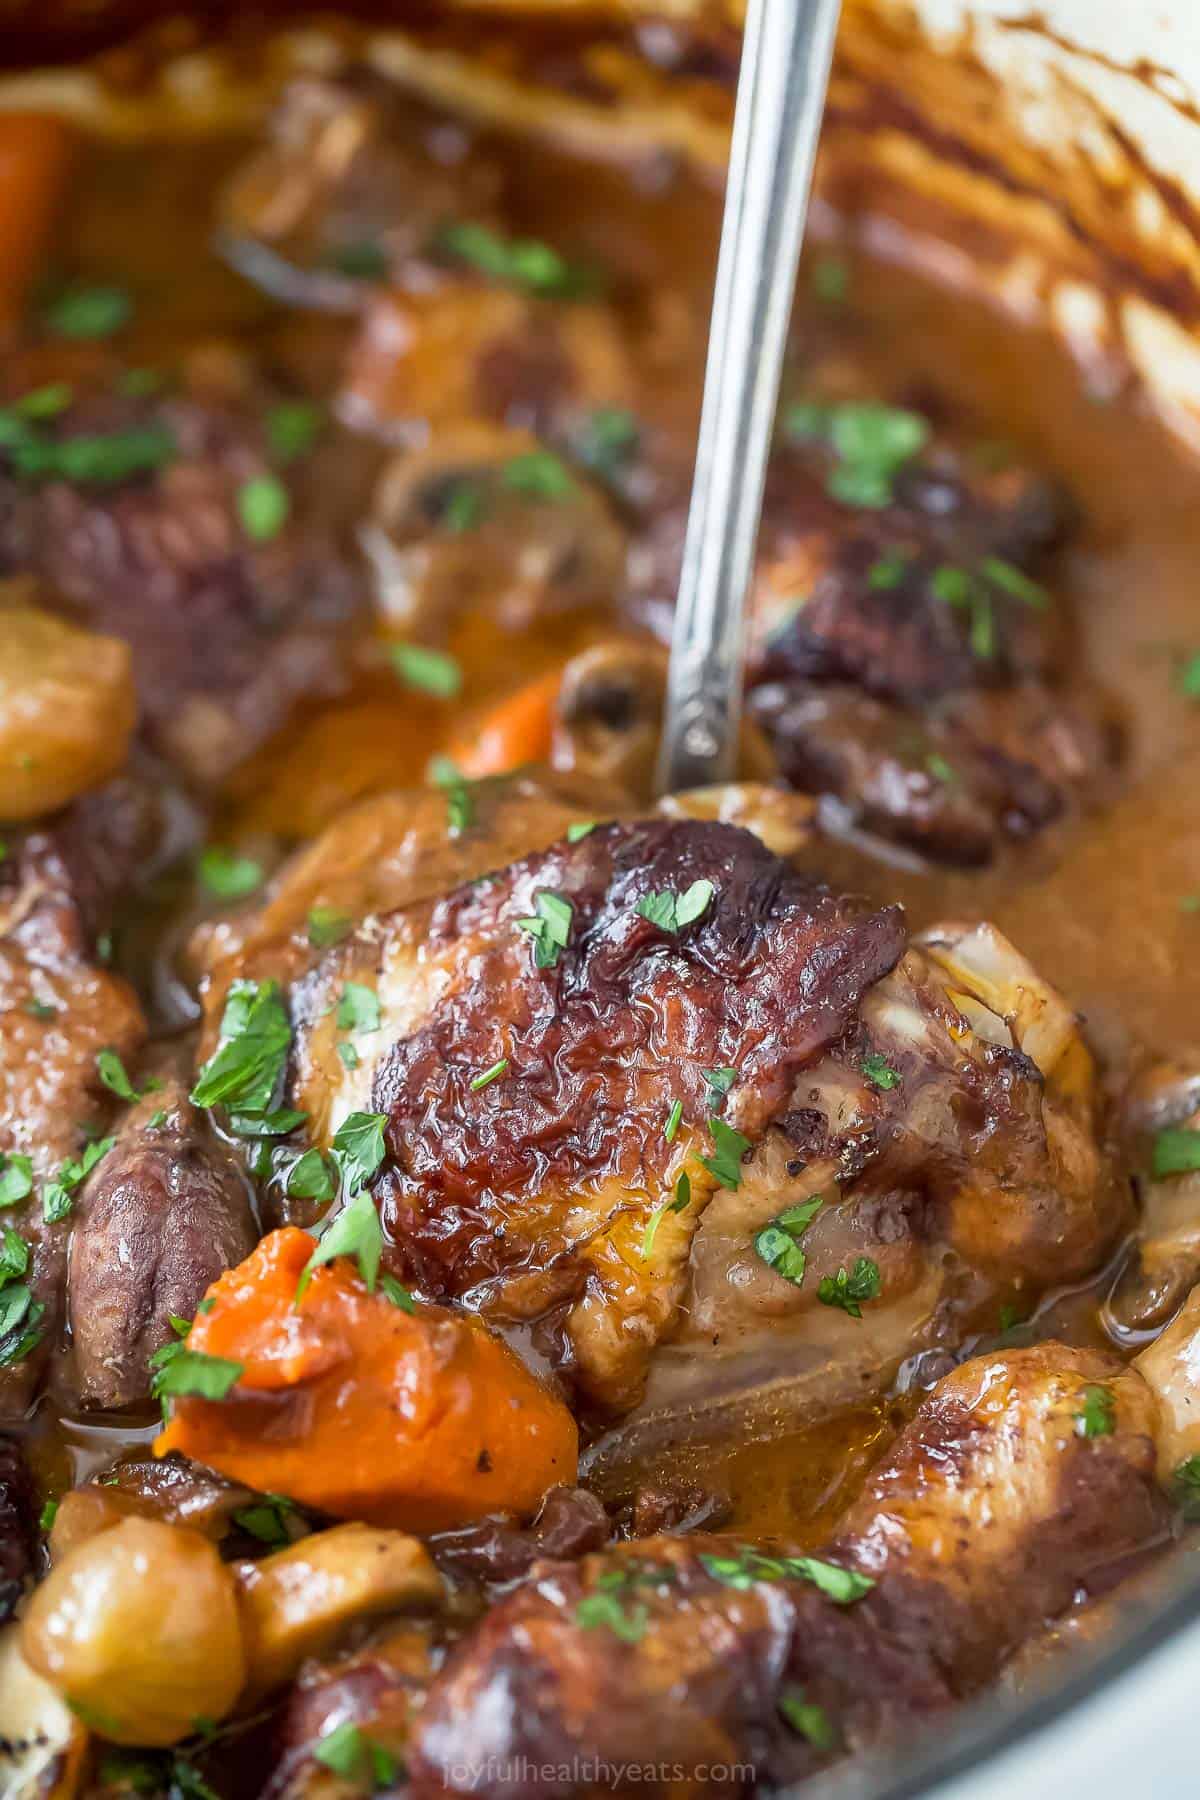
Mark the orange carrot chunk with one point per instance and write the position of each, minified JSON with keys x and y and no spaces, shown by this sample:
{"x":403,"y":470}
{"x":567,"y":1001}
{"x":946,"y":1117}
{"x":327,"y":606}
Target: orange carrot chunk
{"x":518,"y":731}
{"x":35,"y":152}
{"x":354,"y":1405}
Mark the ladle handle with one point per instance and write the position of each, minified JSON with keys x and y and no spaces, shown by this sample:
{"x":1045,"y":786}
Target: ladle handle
{"x":784,"y":74}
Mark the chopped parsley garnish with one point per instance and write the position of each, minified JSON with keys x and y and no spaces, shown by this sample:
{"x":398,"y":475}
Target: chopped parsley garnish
{"x":673,"y":1118}
{"x":56,"y":1202}
{"x":43,"y":403}
{"x":871,"y":442}
{"x":1185,"y":1486}
{"x":778,"y":1244}
{"x":356,"y":1233}
{"x":460,"y":803}
{"x":607,"y":439}
{"x":550,"y":927}
{"x":98,"y":461}
{"x":580,"y":829}
{"x":725,"y":1164}
{"x":267,"y":1519}
{"x":263,"y":504}
{"x":429,"y":671}
{"x":747,"y":1566}
{"x":139,"y":384}
{"x":672,"y":912}
{"x":1097,"y":1415}
{"x":310,"y":1177}
{"x":363,"y":261}
{"x":520,"y":262}
{"x":831,"y":280}
{"x":327,"y":925}
{"x":606,"y":1610}
{"x":227,"y":874}
{"x":358,"y":1148}
{"x":57,"y":1194}
{"x":464,"y":505}
{"x":720,"y":1081}
{"x":111,"y":1071}
{"x":20,"y":1322}
{"x":887,"y":571}
{"x":348,"y":1056}
{"x":1176,"y":1152}
{"x":879,"y":1071}
{"x":348,"y":1752}
{"x":293,"y":428}
{"x":16,"y":1178}
{"x":806,"y":1718}
{"x":1014,"y":582}
{"x":88,"y":312}
{"x":47,"y":1516}
{"x":179,"y":1371}
{"x":247,"y":1067}
{"x":682,"y":1200}
{"x":397,"y":1293}
{"x":486,"y":1077}
{"x":849,"y":1289}
{"x":358,"y":1008}
{"x":1187,"y":679}
{"x":14,"y":1255}
{"x":539,"y":475}
{"x":941,"y":770}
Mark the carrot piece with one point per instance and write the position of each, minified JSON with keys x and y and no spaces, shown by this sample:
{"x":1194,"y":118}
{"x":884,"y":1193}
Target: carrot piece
{"x":35,"y":150}
{"x":350,"y":1404}
{"x":518,"y":731}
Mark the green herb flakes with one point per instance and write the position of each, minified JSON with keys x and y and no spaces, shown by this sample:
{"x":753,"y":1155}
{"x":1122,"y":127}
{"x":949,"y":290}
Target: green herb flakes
{"x":850,"y":1289}
{"x":1097,"y":1415}
{"x":358,"y":1008}
{"x":1176,"y":1152}
{"x":1185,"y":1488}
{"x":778,"y":1244}
{"x":672,"y":912}
{"x":228,"y":875}
{"x":111,"y":1071}
{"x":355,"y":1233}
{"x":428,"y":671}
{"x":358,"y":1148}
{"x":549,"y":927}
{"x":486,"y":1077}
{"x":327,"y":925}
{"x":310,"y":1178}
{"x":263,"y":505}
{"x":605,"y":1611}
{"x":808,"y":1720}
{"x":879,"y":1071}
{"x":247,"y":1067}
{"x":725,"y":1164}
{"x":350,"y":1753}
{"x":395,"y":1292}
{"x":96,"y":311}
{"x":179,"y":1371}
{"x":16,"y":1178}
{"x":293,"y":428}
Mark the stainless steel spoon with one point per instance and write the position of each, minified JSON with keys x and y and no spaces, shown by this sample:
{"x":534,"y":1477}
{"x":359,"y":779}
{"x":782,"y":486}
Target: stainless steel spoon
{"x":786,"y":55}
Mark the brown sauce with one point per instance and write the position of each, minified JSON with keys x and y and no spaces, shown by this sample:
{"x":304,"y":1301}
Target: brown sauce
{"x":1101,"y":905}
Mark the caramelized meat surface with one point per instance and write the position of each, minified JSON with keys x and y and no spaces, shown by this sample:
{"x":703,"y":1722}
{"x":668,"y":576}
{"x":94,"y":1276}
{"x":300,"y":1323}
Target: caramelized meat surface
{"x":166,"y":521}
{"x":989,"y":1514}
{"x":537,"y":1187}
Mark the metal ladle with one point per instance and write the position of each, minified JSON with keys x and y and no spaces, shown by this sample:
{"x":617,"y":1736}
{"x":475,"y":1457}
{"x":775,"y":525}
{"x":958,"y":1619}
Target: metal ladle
{"x":786,"y":53}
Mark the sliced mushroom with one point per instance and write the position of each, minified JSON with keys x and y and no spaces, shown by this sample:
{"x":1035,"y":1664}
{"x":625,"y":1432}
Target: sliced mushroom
{"x":609,"y":724}
{"x":298,"y":1602}
{"x":488,"y":522}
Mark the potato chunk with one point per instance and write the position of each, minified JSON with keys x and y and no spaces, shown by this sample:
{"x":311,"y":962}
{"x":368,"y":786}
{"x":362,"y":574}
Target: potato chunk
{"x":67,"y":710}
